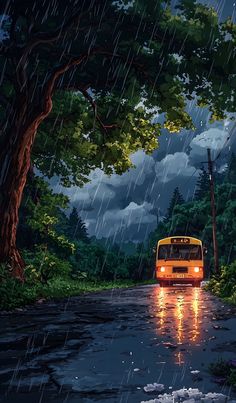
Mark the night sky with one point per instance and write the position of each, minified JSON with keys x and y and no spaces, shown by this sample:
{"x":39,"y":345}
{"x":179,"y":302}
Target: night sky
{"x":126,"y":207}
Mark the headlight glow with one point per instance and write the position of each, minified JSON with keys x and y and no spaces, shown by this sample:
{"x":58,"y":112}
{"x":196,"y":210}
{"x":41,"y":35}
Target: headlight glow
{"x":162,"y":269}
{"x":196,"y":269}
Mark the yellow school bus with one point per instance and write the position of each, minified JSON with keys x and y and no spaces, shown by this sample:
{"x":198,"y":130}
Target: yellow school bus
{"x":179,"y":259}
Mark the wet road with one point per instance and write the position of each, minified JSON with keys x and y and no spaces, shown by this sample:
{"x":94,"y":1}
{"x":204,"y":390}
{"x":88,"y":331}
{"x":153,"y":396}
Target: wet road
{"x":107,"y":346}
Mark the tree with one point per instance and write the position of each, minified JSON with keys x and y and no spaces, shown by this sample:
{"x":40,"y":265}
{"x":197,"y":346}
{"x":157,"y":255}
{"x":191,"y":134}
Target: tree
{"x":202,"y":185}
{"x":118,"y":56}
{"x":177,"y":199}
{"x":42,"y":218}
{"x":67,"y":147}
{"x":231,"y":171}
{"x":76,"y":230}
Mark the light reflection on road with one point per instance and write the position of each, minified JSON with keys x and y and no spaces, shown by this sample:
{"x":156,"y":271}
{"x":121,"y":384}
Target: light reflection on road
{"x":178,"y":313}
{"x":195,"y":306}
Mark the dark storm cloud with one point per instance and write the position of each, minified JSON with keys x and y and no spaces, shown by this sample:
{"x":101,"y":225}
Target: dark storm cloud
{"x":126,"y":207}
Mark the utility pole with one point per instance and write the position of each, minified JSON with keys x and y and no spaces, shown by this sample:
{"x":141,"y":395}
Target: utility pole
{"x":213,"y":212}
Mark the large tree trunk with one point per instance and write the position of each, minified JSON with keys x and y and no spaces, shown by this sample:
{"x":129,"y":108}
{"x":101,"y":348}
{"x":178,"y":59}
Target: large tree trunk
{"x":15,"y":154}
{"x":14,"y":166}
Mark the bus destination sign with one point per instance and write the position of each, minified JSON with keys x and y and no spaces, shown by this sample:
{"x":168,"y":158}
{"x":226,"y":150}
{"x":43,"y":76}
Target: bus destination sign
{"x":180,"y":240}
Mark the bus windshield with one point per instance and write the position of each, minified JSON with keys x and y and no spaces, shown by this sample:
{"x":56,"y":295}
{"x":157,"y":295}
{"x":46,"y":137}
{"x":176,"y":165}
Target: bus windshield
{"x":180,"y":252}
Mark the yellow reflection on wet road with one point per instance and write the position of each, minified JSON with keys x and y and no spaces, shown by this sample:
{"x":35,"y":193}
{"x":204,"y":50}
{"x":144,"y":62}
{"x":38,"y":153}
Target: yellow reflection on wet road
{"x":161,"y":305}
{"x":179,"y":317}
{"x":178,"y":313}
{"x":195,"y":306}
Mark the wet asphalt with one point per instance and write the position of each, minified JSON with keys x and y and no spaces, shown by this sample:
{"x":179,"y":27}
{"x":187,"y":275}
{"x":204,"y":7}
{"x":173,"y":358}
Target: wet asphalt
{"x":105,"y":347}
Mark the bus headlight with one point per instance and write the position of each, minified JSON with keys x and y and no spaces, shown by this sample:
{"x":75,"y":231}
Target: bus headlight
{"x":162,"y":269}
{"x":196,"y":269}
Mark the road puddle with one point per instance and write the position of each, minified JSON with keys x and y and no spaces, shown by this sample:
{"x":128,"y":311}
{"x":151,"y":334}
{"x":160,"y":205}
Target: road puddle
{"x":179,"y":314}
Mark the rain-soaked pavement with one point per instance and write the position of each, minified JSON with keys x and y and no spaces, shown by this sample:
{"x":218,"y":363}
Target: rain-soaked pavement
{"x":107,"y":346}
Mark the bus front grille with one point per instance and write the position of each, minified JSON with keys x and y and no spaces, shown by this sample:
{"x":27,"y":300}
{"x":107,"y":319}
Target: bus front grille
{"x":179,"y":270}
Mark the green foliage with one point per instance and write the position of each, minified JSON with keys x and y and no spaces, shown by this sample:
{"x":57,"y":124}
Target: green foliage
{"x":42,"y":219}
{"x":16,"y":295}
{"x":225,"y":371}
{"x":194,"y":218}
{"x":61,"y":287}
{"x":13,"y":293}
{"x":106,"y":94}
{"x":202,"y":185}
{"x":76,"y":144}
{"x":99,"y":263}
{"x":104,"y":109}
{"x":45,"y":223}
{"x":42,"y":265}
{"x":231,"y":171}
{"x":45,"y":237}
{"x":224,"y":285}
{"x":109,"y":263}
{"x":220,"y":368}
{"x":176,"y":200}
{"x":76,"y":229}
{"x":232,"y":377}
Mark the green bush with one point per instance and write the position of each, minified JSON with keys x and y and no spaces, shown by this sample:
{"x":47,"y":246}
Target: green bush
{"x":224,"y":285}
{"x":95,"y":262}
{"x":225,"y":371}
{"x":14,"y":294}
{"x":43,"y":265}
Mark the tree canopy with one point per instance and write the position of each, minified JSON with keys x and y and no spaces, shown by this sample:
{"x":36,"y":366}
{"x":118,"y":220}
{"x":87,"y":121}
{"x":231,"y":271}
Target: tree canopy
{"x":109,"y":68}
{"x":202,"y":185}
{"x":176,"y":200}
{"x":114,"y":57}
{"x":76,"y":227}
{"x":231,"y":171}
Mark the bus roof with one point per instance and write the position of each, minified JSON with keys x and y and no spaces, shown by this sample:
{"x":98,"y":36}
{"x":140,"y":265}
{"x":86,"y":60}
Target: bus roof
{"x":180,"y":240}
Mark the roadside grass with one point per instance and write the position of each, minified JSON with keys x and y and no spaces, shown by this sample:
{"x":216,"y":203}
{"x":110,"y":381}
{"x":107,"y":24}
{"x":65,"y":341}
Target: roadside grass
{"x":16,"y":295}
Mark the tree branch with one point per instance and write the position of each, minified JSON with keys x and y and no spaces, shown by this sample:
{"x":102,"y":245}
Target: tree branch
{"x":104,"y":127}
{"x":46,"y":37}
{"x":58,"y":71}
{"x":49,"y":86}
{"x":50,"y":37}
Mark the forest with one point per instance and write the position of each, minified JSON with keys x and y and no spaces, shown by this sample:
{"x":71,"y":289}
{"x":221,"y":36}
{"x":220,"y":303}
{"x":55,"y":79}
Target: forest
{"x":70,"y":105}
{"x":62,"y":260}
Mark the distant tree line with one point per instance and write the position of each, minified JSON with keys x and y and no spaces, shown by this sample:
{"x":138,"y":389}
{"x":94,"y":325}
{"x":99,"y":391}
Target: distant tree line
{"x":56,"y":243}
{"x":46,"y":231}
